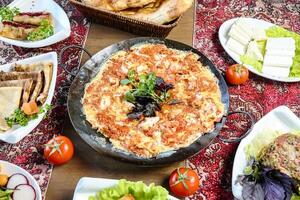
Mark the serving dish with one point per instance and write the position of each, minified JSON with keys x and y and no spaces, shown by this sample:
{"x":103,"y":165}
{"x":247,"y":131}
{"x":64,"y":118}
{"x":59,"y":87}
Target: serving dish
{"x":62,"y":28}
{"x":223,"y":37}
{"x":280,"y":119}
{"x":17,"y":133}
{"x":87,"y":186}
{"x":10,"y":169}
{"x":102,"y":144}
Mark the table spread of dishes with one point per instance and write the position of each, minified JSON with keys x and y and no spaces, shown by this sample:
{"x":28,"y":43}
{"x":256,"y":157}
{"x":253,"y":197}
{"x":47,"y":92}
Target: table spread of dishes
{"x":149,"y":101}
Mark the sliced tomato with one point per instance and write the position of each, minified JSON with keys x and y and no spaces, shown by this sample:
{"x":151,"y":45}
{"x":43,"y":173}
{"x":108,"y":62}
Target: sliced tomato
{"x":184,"y":182}
{"x":59,"y":150}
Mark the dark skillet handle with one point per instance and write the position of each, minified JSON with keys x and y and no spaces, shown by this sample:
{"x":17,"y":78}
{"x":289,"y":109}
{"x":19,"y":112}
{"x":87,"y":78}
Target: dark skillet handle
{"x":63,"y":64}
{"x":245,"y":134}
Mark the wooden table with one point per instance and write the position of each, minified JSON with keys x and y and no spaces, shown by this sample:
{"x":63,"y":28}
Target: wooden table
{"x":87,"y":162}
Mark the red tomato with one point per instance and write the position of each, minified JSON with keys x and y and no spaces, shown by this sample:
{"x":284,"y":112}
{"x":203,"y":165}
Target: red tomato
{"x":184,"y":182}
{"x":59,"y":150}
{"x":237,"y":74}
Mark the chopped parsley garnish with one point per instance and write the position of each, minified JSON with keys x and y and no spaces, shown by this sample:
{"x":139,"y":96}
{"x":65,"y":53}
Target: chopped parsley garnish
{"x":7,"y":13}
{"x":19,"y":117}
{"x":148,"y":93}
{"x":44,"y":30}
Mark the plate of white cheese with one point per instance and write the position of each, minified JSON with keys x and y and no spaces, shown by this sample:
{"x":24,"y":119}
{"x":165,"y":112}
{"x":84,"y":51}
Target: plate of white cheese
{"x":264,"y":48}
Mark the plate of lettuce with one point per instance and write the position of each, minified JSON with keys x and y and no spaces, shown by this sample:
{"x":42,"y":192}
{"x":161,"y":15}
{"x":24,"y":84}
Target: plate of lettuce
{"x":263,"y":166}
{"x":111,"y":189}
{"x":255,"y":39}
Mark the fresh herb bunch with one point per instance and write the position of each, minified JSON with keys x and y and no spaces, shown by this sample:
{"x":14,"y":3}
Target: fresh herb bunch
{"x":19,"y":117}
{"x":263,"y":183}
{"x":147,"y":94}
{"x":44,"y":30}
{"x":7,"y":13}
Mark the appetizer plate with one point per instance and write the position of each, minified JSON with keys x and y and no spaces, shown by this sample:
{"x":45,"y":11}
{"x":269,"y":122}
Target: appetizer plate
{"x":17,"y":133}
{"x":223,"y":37}
{"x":10,"y":169}
{"x":90,"y":186}
{"x":62,"y":28}
{"x":280,"y":119}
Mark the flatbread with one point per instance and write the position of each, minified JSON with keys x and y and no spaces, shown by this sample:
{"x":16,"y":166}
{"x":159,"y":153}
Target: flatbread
{"x":47,"y":68}
{"x":154,"y":11}
{"x":9,"y":101}
{"x":37,"y":78}
{"x":118,"y":5}
{"x":26,"y":84}
{"x":167,"y":11}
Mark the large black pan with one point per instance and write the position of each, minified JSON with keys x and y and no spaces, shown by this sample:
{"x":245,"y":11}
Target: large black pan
{"x":101,"y":143}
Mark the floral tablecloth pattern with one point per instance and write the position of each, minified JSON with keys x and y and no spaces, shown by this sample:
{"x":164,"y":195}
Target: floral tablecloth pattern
{"x":258,"y":96}
{"x":28,"y":152}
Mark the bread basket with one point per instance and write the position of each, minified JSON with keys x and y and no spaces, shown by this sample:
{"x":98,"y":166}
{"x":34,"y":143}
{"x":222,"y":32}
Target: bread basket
{"x":118,"y":21}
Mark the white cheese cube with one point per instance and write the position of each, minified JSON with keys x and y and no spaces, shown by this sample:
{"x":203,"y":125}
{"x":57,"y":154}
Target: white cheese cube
{"x":283,"y":43}
{"x":238,"y":35}
{"x":242,"y":24}
{"x":276,"y":71}
{"x":278,"y":61}
{"x":236,"y":46}
{"x":278,"y":52}
{"x":254,"y":52}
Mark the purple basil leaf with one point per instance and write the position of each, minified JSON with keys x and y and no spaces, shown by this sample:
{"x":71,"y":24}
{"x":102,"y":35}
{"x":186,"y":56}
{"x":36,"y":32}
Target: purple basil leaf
{"x":252,"y":191}
{"x":277,"y":186}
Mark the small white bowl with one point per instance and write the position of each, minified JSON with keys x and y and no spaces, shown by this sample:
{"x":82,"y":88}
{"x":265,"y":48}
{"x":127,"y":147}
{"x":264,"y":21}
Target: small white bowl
{"x":10,"y":169}
{"x":17,"y":133}
{"x":62,"y":28}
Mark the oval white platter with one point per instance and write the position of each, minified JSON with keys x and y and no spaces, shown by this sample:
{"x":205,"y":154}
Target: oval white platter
{"x":223,"y":37}
{"x":280,"y":119}
{"x":10,"y":169}
{"x":87,"y":187}
{"x":17,"y":133}
{"x":62,"y":28}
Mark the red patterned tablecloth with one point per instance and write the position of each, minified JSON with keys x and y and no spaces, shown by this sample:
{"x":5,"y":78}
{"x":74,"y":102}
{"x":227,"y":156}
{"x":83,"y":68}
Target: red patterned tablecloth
{"x":258,"y":96}
{"x":28,"y":152}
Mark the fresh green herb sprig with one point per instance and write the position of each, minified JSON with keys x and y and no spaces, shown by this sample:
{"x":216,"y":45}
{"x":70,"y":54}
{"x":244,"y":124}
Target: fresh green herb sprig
{"x":144,"y":87}
{"x":7,"y":13}
{"x":20,"y":118}
{"x":44,"y":30}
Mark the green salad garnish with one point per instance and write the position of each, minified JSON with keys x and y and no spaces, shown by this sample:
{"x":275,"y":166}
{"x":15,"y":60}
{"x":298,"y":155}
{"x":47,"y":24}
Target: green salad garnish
{"x":44,"y":30}
{"x":20,"y":118}
{"x":138,"y":190}
{"x":7,"y":13}
{"x":5,"y":194}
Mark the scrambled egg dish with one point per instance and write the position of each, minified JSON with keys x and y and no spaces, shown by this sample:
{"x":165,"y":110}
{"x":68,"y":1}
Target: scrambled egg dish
{"x":173,"y":126}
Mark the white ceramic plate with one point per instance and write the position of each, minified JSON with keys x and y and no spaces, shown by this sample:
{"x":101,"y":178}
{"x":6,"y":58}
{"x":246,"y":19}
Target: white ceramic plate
{"x":223,"y":37}
{"x":280,"y":119}
{"x":17,"y":133}
{"x":61,"y":22}
{"x":10,"y":169}
{"x":90,"y":186}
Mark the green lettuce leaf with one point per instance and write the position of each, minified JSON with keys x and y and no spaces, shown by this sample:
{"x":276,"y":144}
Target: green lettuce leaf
{"x":253,"y":62}
{"x":139,"y":190}
{"x":276,"y":31}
